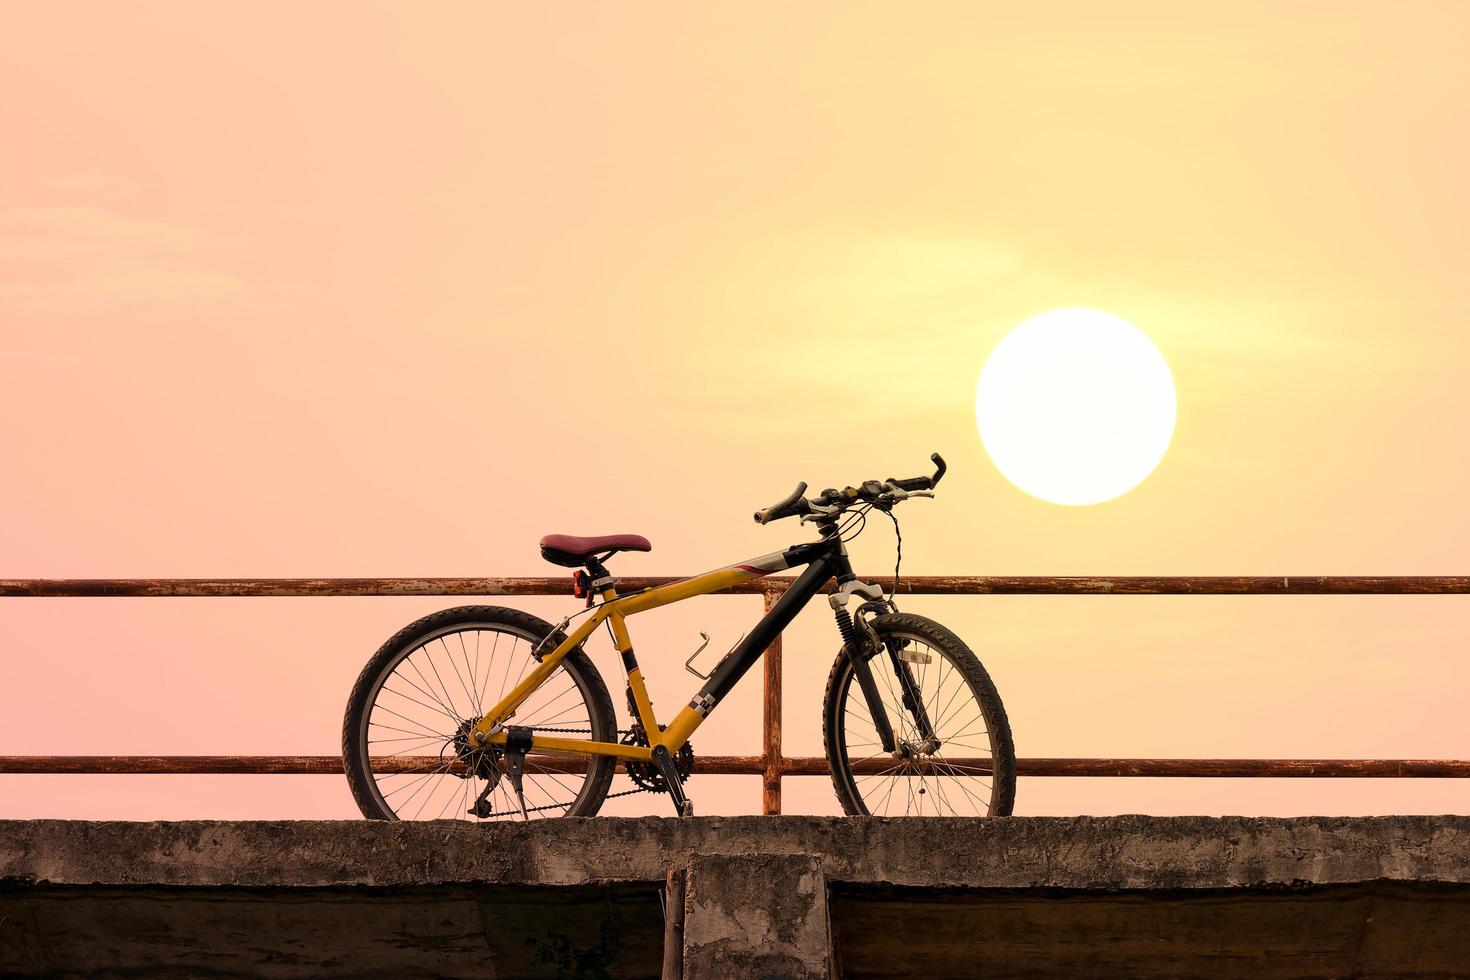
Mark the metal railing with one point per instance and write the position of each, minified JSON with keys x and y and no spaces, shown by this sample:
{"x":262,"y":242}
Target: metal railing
{"x":771,"y":765}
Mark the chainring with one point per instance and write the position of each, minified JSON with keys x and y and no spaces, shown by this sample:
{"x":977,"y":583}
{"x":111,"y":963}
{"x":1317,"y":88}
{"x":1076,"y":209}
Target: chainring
{"x":645,"y":774}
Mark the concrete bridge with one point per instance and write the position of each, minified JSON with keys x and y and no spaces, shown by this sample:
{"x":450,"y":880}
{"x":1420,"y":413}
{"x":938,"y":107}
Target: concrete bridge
{"x":801,"y":897}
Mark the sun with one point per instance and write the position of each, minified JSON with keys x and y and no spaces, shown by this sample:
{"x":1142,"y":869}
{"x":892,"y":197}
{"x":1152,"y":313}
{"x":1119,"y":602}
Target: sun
{"x":1075,"y":406}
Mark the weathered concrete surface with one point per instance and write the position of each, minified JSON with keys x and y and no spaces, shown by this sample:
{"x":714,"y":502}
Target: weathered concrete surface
{"x":1011,"y":852}
{"x":1014,"y":897}
{"x":756,"y":915}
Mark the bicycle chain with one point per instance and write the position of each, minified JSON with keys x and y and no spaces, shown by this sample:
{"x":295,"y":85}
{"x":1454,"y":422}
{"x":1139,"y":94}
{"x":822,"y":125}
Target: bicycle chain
{"x":580,"y":731}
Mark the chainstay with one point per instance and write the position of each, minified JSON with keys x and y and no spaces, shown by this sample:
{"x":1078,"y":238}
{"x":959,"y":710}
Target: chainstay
{"x":565,"y":806}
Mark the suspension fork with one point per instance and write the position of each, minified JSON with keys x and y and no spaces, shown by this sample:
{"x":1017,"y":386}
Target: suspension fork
{"x":913,"y":698}
{"x":857,"y":655}
{"x":857,"y":649}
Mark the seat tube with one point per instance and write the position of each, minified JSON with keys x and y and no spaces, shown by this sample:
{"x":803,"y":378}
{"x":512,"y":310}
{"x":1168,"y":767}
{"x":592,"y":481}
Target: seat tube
{"x":644,"y":707}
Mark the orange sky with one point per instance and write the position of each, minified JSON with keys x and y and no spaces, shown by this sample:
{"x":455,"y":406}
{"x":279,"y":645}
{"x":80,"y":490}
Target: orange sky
{"x":330,"y":289}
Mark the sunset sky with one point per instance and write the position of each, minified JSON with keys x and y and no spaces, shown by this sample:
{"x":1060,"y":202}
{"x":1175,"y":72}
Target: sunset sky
{"x":362,"y":289}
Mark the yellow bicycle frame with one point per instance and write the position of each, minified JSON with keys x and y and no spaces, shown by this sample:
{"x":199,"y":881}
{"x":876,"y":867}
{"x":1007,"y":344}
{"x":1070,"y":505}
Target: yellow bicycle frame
{"x":489,"y":729}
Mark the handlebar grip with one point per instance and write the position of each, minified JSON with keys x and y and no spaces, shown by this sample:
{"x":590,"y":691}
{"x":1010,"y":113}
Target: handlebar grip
{"x":781,"y":509}
{"x":924,"y":482}
{"x":939,"y":470}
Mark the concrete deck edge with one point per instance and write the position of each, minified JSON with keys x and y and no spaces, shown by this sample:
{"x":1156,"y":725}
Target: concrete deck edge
{"x":1125,"y":852}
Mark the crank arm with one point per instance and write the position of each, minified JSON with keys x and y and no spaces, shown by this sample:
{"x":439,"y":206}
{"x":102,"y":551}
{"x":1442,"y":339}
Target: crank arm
{"x":663,"y":760}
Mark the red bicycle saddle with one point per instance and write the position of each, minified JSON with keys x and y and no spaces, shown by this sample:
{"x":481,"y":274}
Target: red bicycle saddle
{"x":569,"y":549}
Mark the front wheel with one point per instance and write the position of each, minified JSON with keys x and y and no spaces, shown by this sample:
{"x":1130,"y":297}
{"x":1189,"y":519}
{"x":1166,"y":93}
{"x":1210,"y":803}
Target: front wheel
{"x":964,"y":765}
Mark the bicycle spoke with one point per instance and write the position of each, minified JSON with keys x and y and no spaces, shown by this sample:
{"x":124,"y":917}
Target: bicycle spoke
{"x":490,"y":667}
{"x":562,"y":719}
{"x":417,"y":741}
{"x":510,"y":660}
{"x":448,"y":702}
{"x":467,"y":688}
{"x":474,"y":687}
{"x":979,"y":804}
{"x":389,"y":690}
{"x":552,"y":776}
{"x":531,"y":714}
{"x":412,"y":721}
{"x":920,"y":781}
{"x":424,"y":714}
{"x":431,"y":695}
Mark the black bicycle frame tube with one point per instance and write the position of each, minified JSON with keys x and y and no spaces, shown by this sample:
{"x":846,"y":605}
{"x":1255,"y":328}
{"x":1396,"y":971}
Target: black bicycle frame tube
{"x":824,"y":559}
{"x":821,"y":557}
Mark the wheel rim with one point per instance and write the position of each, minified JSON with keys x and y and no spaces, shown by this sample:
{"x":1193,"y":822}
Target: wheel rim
{"x":438,"y":686}
{"x":956,"y":778}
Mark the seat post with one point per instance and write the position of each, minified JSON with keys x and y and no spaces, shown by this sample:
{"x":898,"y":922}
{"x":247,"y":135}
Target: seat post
{"x":602,"y":581}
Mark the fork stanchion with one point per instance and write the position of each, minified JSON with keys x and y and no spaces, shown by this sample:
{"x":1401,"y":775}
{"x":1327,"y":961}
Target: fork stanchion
{"x":771,"y":721}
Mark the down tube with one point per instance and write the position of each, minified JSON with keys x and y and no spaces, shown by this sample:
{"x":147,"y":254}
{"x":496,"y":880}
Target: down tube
{"x":729,"y":671}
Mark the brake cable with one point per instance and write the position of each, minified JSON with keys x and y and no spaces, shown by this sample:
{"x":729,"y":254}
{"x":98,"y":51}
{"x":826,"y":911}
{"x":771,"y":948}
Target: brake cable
{"x":898,"y":557}
{"x":860,"y":519}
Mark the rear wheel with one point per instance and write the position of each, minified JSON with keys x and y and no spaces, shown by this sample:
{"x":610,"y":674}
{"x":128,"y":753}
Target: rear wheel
{"x":967,"y":768}
{"x":404,"y":743}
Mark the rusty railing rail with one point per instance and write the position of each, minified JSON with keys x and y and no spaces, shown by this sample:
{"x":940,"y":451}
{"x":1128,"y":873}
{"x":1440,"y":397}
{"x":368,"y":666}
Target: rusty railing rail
{"x":771,"y":765}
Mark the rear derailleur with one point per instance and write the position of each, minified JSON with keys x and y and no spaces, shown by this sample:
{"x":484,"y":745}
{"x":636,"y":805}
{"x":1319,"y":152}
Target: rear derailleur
{"x":483,"y":762}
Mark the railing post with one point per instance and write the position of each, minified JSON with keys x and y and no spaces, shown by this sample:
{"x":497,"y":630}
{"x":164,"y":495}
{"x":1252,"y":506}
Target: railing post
{"x":771,"y":720}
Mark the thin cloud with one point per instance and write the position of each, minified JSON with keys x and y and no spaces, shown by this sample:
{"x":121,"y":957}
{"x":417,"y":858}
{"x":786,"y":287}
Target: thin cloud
{"x":81,"y":259}
{"x":87,"y":182}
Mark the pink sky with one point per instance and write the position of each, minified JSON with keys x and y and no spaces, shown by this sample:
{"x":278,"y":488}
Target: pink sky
{"x":329,"y":289}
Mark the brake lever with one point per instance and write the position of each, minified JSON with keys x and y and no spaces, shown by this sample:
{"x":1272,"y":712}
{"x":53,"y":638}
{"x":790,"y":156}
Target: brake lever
{"x":817,"y":512}
{"x":898,"y":493}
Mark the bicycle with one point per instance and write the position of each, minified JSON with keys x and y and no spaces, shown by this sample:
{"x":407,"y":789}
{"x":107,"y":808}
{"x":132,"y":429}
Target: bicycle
{"x":424,"y":689}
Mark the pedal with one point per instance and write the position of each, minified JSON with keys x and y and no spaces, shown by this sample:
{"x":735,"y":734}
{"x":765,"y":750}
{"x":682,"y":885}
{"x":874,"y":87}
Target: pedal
{"x":688,"y":809}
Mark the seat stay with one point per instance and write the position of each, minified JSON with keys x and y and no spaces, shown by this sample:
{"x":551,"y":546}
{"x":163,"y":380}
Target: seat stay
{"x":505,"y":709}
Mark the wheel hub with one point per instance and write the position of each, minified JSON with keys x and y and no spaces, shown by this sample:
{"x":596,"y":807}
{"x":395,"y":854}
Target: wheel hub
{"x":482,"y":762}
{"x":908,"y":749}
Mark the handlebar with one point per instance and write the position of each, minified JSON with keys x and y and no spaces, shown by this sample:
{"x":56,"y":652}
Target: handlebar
{"x":783,"y":508}
{"x":924,"y":482}
{"x":831,"y":502}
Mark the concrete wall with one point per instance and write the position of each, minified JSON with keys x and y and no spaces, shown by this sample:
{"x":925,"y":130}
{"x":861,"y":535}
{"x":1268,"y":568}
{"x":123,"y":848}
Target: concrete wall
{"x":788,"y":897}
